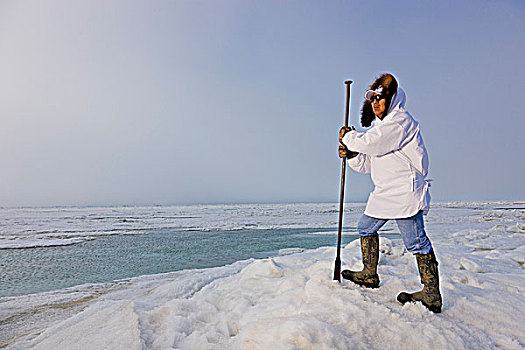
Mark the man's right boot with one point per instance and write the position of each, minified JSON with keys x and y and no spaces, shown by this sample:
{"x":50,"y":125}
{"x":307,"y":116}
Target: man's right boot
{"x":370,"y":252}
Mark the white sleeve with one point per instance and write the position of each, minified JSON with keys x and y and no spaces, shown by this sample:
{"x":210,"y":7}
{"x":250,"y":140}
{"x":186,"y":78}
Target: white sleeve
{"x":381,"y":139}
{"x":360,"y":163}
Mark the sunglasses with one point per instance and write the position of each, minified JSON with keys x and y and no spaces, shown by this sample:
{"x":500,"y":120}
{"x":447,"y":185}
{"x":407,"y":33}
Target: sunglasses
{"x":376,"y":98}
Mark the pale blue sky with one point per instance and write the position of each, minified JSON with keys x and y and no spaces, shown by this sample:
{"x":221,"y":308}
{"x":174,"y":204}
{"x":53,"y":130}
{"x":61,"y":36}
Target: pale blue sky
{"x":170,"y":102}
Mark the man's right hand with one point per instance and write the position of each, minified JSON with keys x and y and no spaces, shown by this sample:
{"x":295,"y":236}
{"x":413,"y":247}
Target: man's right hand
{"x":345,"y":152}
{"x":343,"y":132}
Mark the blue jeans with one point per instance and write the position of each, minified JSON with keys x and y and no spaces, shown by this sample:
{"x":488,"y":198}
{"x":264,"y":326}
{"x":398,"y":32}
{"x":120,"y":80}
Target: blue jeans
{"x":412,"y":231}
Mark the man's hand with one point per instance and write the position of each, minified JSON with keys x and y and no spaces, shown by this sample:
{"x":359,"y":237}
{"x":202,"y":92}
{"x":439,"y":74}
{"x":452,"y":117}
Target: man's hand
{"x":345,"y":152}
{"x":343,"y":131}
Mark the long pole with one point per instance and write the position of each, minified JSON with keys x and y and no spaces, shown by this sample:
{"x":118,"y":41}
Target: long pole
{"x":337,"y":268}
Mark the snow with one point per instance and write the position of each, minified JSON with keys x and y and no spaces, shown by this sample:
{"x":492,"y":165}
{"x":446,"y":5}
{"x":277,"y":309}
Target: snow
{"x":291,"y":302}
{"x":119,"y":329}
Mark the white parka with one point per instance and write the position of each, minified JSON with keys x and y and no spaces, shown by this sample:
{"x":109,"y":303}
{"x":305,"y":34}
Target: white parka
{"x":393,"y":152}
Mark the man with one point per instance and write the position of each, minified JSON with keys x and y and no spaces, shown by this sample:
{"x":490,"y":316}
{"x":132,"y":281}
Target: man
{"x":393,"y":152}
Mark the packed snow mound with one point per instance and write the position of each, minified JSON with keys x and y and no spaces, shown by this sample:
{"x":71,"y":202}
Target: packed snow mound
{"x":115,"y":325}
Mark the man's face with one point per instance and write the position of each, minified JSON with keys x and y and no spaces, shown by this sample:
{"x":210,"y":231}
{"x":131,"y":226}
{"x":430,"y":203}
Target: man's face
{"x":378,"y":106}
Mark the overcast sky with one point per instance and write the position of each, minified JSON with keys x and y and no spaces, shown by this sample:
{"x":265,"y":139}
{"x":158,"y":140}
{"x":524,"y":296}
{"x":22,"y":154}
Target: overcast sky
{"x":174,"y":102}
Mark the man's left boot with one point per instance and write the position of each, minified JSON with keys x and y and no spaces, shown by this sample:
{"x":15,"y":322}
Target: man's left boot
{"x":430,"y":295}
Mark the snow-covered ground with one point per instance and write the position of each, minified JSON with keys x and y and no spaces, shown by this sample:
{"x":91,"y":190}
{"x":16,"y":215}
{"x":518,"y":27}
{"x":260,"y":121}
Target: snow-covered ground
{"x":290,"y":301}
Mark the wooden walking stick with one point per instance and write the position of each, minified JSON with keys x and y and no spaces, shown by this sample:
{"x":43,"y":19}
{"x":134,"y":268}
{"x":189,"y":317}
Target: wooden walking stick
{"x":337,"y":268}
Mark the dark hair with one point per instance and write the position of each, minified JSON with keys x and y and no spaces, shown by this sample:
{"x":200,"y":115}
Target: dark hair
{"x":389,"y":84}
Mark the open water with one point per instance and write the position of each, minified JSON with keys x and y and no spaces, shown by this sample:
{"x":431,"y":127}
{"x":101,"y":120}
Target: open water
{"x":45,"y":249}
{"x":109,"y":258}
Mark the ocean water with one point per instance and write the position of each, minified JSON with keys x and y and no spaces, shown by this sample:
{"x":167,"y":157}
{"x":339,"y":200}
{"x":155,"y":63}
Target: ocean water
{"x":108,"y":258}
{"x":45,"y":249}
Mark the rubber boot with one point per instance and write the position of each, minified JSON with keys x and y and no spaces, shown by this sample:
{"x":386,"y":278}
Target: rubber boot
{"x":430,"y":295}
{"x":370,"y":252}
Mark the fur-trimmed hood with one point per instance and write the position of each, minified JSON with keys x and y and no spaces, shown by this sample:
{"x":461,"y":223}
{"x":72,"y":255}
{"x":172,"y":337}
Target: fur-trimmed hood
{"x":398,"y":100}
{"x":390,"y":87}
